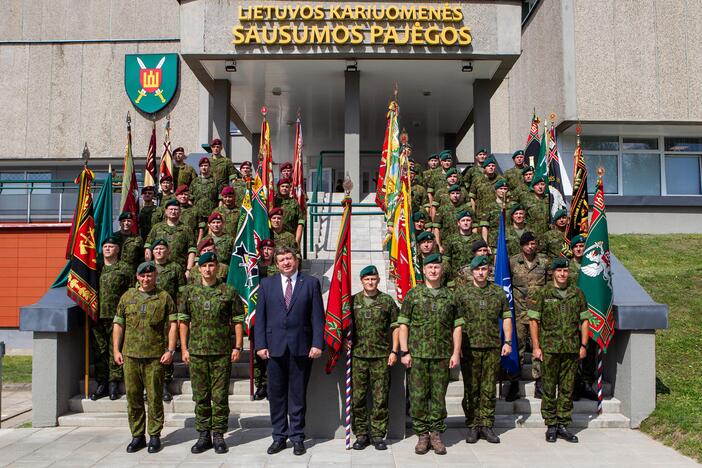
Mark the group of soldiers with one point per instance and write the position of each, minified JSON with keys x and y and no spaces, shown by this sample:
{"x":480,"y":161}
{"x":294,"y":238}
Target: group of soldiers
{"x":180,"y":259}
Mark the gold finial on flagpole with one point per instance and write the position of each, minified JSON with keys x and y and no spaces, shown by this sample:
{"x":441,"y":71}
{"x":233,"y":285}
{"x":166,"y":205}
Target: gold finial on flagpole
{"x":85,"y":155}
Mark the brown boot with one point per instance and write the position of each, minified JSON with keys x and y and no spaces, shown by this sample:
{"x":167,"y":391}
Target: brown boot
{"x":423,"y":444}
{"x":437,"y":444}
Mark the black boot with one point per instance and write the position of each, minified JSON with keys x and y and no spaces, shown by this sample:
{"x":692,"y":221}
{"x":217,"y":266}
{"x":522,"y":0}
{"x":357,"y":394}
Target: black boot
{"x":538,"y":389}
{"x":204,"y":442}
{"x":100,"y":391}
{"x":154,"y":444}
{"x":588,"y":393}
{"x":261,"y":393}
{"x":566,"y":435}
{"x":379,"y":443}
{"x":487,"y":433}
{"x":136,"y":444}
{"x":362,"y":442}
{"x":513,"y":392}
{"x":114,"y":390}
{"x":220,"y":446}
{"x":551,"y":434}
{"x":473,"y":435}
{"x":166,"y":393}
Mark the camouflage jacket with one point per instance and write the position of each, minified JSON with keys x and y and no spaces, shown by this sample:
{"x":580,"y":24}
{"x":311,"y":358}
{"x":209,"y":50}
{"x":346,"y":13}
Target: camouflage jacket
{"x":446,"y":218}
{"x":180,"y":238}
{"x":490,"y":218}
{"x":239,"y":186}
{"x":183,"y":175}
{"x":513,"y":236}
{"x":471,"y":177}
{"x":222,"y":271}
{"x":230,"y":216}
{"x":457,"y":248}
{"x":145,"y":318}
{"x":514,"y":177}
{"x":292,"y":215}
{"x":145,"y":215}
{"x":222,"y":168}
{"x":170,"y":278}
{"x":210,"y":311}
{"x":264,"y":271}
{"x":373,"y":318}
{"x":131,"y":251}
{"x":284,"y":239}
{"x":483,"y":191}
{"x":527,"y":280}
{"x":431,"y":319}
{"x":114,"y":281}
{"x":551,"y":242}
{"x":204,"y":194}
{"x":481,"y":309}
{"x":537,"y":211}
{"x":223,"y":245}
{"x":559,"y":318}
{"x":574,"y":269}
{"x":419,"y":197}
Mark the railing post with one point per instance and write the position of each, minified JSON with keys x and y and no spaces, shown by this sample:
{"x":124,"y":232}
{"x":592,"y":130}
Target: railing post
{"x":29,"y":203}
{"x":2,"y":357}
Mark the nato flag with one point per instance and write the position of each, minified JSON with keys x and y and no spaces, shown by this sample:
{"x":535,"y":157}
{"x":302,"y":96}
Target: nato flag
{"x":503,"y":278}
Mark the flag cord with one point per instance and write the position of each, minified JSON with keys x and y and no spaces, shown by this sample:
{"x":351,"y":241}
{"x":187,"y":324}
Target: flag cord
{"x":599,"y":380}
{"x":347,"y":408}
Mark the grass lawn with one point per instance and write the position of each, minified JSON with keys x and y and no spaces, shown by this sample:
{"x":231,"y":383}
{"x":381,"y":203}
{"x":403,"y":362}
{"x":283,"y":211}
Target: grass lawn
{"x":17,"y":369}
{"x":670,"y":269}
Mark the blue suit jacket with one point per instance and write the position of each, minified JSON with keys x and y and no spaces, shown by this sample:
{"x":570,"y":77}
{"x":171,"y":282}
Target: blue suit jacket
{"x":298,"y":328}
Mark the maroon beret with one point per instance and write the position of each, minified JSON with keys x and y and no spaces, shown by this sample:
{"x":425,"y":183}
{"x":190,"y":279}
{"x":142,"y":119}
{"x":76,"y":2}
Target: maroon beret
{"x":181,"y":189}
{"x":203,"y":159}
{"x":283,"y":180}
{"x":166,"y":178}
{"x":179,"y":150}
{"x":266,"y":243}
{"x":227,"y":191}
{"x":216,"y":141}
{"x":214,"y":216}
{"x":245,"y":163}
{"x":275,"y":211}
{"x":286,"y":165}
{"x":205,"y":243}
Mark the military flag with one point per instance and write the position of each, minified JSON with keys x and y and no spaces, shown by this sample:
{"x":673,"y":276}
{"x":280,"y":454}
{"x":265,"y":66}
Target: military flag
{"x":402,"y":258}
{"x":82,"y":281}
{"x":533,"y":143}
{"x":298,"y":178}
{"x":579,"y":206}
{"x":541,"y":162}
{"x":556,"y":182}
{"x":388,"y":173}
{"x":337,"y":320}
{"x":503,"y":278}
{"x":150,"y":169}
{"x":265,"y":161}
{"x":166,"y":166}
{"x":129,"y":201}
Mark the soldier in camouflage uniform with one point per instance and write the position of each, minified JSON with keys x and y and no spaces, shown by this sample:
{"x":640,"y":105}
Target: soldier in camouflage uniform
{"x":203,"y":190}
{"x":208,"y":245}
{"x":490,"y":219}
{"x":537,"y":206}
{"x":419,"y":219}
{"x":483,"y":188}
{"x":131,"y":246}
{"x":522,"y":190}
{"x":419,"y":193}
{"x":427,"y":246}
{"x":551,"y":242}
{"x":146,"y":319}
{"x":457,"y":248}
{"x":179,"y":236}
{"x":514,"y":173}
{"x":475,"y":172}
{"x":482,"y":304}
{"x":240,"y":184}
{"x":165,"y":193}
{"x":286,"y":171}
{"x":432,"y":166}
{"x":222,"y":166}
{"x":529,"y":274}
{"x":445,"y":222}
{"x":188,"y":216}
{"x":418,"y":170}
{"x":281,"y":237}
{"x":293,"y":217}
{"x":147,"y":210}
{"x":224,"y":243}
{"x":208,"y":313}
{"x":515,"y":228}
{"x":170,"y":278}
{"x":229,"y":209}
{"x":442,"y":191}
{"x":559,"y":322}
{"x":183,"y":173}
{"x":115,"y":279}
{"x":375,"y":349}
{"x":430,"y":344}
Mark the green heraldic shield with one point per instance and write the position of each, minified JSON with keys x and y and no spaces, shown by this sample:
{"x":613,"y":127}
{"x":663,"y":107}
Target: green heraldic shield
{"x":151,"y":80}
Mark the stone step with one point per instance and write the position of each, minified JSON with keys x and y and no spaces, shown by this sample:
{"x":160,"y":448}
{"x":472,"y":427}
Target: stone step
{"x":534,"y":420}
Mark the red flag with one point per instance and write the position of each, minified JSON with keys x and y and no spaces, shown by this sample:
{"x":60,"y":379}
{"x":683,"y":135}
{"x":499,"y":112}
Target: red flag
{"x":265,"y":161}
{"x":338,"y":317}
{"x":150,"y":170}
{"x":579,"y":207}
{"x":166,"y":167}
{"x":129,"y":201}
{"x":82,"y":282}
{"x":298,"y":178}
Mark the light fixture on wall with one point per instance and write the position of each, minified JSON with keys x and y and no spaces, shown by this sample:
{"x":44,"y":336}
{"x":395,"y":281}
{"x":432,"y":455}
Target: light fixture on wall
{"x":351,"y":65}
{"x":276,"y":91}
{"x":466,"y":66}
{"x":230,"y":66}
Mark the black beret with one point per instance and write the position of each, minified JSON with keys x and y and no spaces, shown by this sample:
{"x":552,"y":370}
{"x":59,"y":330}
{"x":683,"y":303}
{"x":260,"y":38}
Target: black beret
{"x":526,"y":238}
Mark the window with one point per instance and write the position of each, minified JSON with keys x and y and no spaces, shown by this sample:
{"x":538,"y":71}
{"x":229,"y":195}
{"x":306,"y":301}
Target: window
{"x":641,"y":174}
{"x":600,"y":143}
{"x":683,"y":144}
{"x":682,"y":175}
{"x":639,"y":144}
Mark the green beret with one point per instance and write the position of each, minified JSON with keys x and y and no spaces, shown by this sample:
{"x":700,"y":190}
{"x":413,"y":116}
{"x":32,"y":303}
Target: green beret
{"x":462,"y":214}
{"x":500,"y":183}
{"x":369,"y":270}
{"x":450,"y":172}
{"x":445,"y":155}
{"x":125,"y":215}
{"x":146,"y":267}
{"x":577,"y":240}
{"x":527,"y":169}
{"x":172,"y":202}
{"x":559,"y":262}
{"x":478,"y":261}
{"x":433,"y":156}
{"x":482,"y":150}
{"x":207,"y":257}
{"x":516,"y":207}
{"x":560,"y":213}
{"x":157,"y":242}
{"x":517,"y":153}
{"x":454,"y":188}
{"x":425,"y":235}
{"x":490,"y":160}
{"x":479,"y":244}
{"x":537,"y":179}
{"x":418,"y":215}
{"x":112,"y":240}
{"x":432,"y":258}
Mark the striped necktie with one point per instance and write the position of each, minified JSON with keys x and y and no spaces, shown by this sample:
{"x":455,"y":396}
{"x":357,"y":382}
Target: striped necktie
{"x":288,"y":293}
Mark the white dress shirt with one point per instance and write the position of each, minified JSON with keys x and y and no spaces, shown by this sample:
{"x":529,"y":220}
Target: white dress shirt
{"x":284,"y":281}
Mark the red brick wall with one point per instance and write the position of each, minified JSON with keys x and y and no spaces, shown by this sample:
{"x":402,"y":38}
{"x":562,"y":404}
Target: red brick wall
{"x":31,"y":256}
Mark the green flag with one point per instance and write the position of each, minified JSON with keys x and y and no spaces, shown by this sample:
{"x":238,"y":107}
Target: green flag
{"x":243,"y":265}
{"x":541,"y":164}
{"x":595,"y":278}
{"x":103,"y":226}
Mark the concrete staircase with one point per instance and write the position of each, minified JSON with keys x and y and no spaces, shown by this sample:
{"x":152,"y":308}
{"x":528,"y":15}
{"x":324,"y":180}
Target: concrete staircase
{"x":367,"y":235}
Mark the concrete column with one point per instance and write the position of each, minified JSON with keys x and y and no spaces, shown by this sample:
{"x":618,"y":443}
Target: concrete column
{"x":481,"y":114}
{"x":205,"y":117}
{"x":255,"y":143}
{"x":221,"y":118}
{"x":352,"y":131}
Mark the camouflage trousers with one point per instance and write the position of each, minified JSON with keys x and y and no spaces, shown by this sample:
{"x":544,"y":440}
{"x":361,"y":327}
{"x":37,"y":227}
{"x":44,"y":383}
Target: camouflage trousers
{"x":522,"y":323}
{"x":144,"y":374}
{"x":427,"y":383}
{"x":479,"y":367}
{"x":587,"y":369}
{"x":559,"y":371}
{"x":103,"y":357}
{"x":209,"y":376}
{"x":260,"y":377}
{"x":370,"y":375}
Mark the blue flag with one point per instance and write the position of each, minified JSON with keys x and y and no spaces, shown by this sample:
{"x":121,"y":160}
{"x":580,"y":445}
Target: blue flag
{"x":503,"y":278}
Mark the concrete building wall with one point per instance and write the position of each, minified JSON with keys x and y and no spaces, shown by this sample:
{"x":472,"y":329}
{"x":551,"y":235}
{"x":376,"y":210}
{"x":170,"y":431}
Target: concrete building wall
{"x":62,"y":68}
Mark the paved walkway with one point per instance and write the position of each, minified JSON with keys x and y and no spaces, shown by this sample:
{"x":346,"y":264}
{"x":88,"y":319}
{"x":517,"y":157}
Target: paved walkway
{"x":75,"y":447}
{"x":16,"y":405}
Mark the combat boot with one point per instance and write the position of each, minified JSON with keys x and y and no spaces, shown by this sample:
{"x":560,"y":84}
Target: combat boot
{"x":565,"y":434}
{"x":379,"y":443}
{"x":472,"y":436}
{"x":220,"y":446}
{"x":423,"y":443}
{"x":136,"y":444}
{"x":488,"y":434}
{"x":114,"y":390}
{"x":362,"y":442}
{"x":538,"y":389}
{"x":154,"y":444}
{"x":100,"y":391}
{"x":437,"y":444}
{"x":260,"y":394}
{"x":166,"y":393}
{"x":551,"y":434}
{"x":203,"y":443}
{"x":513,"y":392}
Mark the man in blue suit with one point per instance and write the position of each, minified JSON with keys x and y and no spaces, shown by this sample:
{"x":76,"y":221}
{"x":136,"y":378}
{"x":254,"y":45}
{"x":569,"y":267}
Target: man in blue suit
{"x":289,"y":334}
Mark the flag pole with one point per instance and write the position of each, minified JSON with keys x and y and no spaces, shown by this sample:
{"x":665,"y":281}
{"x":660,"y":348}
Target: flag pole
{"x":252,"y":347}
{"x":86,"y":348}
{"x":600,"y":175}
{"x":348,"y":186}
